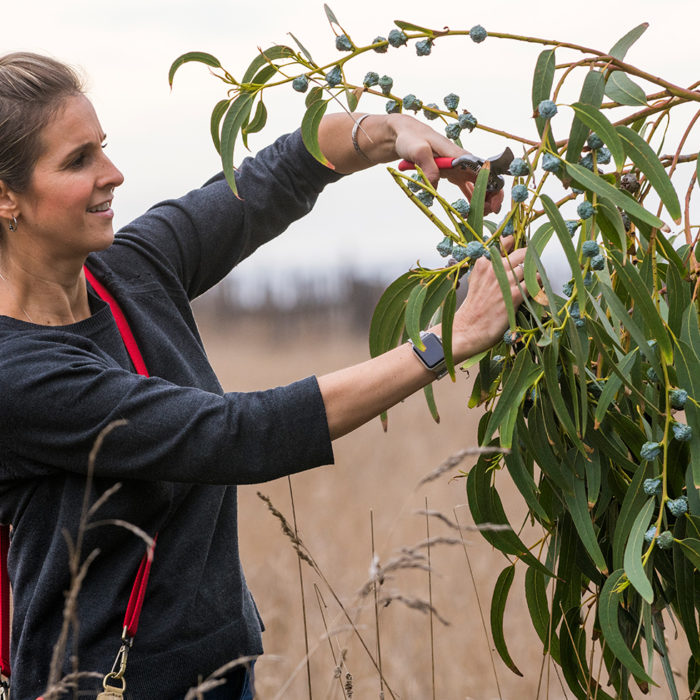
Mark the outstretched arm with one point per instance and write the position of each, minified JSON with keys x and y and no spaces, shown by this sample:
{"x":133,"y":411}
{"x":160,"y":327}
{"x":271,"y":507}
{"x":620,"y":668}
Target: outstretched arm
{"x":385,"y":138}
{"x":357,"y":394}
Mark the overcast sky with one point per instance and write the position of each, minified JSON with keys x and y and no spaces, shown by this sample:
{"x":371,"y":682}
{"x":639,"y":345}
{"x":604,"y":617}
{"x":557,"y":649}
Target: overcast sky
{"x":160,"y":139}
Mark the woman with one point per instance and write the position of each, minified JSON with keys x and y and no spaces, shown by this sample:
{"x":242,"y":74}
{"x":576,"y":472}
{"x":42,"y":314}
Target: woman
{"x":180,"y":443}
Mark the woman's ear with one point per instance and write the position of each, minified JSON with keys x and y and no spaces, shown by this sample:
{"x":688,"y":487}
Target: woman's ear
{"x":8,"y":202}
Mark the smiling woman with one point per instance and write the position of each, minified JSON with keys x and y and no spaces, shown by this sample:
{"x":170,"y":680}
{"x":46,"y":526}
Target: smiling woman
{"x":98,"y":345}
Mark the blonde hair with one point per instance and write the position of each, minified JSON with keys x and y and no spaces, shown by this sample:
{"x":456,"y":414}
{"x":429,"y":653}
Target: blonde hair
{"x":32,"y":90}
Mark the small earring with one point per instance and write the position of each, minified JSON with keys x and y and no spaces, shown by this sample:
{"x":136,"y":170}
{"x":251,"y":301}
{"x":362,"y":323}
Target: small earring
{"x":13,"y":224}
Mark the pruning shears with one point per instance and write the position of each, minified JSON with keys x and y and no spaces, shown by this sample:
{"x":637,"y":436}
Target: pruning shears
{"x":498,"y":166}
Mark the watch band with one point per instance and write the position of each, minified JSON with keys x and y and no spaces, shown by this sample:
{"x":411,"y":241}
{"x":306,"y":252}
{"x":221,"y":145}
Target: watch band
{"x":433,"y":357}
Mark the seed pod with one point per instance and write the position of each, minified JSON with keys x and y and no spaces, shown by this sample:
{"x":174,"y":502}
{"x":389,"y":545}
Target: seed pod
{"x":428,"y":114}
{"x":370,"y":79}
{"x":650,"y":451}
{"x":546,"y":109}
{"x":459,"y":253}
{"x":477,"y":33}
{"x":551,"y":163}
{"x":380,"y":49}
{"x":452,"y":131}
{"x":425,"y":198}
{"x":300,"y":83}
{"x":397,"y":38}
{"x":343,"y":43}
{"x":518,"y":167}
{"x":603,"y":156}
{"x":334,"y":76}
{"x":664,"y":540}
{"x":444,"y":247}
{"x":585,"y":210}
{"x":678,"y":506}
{"x":572,"y":226}
{"x":462,"y":206}
{"x":677,"y":398}
{"x":386,"y":83}
{"x":451,"y":101}
{"x":652,"y":487}
{"x":467,"y":121}
{"x":630,"y":183}
{"x":590,"y":248}
{"x":598,"y":262}
{"x":412,"y":102}
{"x":424,"y":47}
{"x":475,"y":249}
{"x":392,"y":107}
{"x":519,"y":193}
{"x":682,"y":432}
{"x":594,"y":141}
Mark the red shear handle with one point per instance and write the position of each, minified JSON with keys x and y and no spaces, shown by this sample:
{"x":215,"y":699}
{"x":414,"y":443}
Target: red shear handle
{"x":443,"y":162}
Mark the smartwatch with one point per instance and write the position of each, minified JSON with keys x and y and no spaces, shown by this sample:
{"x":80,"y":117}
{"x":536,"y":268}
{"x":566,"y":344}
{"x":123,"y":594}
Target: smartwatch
{"x":433,"y":357}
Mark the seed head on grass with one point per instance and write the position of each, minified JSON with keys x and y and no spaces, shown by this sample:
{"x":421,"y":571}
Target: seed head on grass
{"x":298,"y":545}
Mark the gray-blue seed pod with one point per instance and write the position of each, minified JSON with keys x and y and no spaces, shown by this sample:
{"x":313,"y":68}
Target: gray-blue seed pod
{"x":546,"y":109}
{"x":300,"y":83}
{"x":477,"y":33}
{"x":650,"y":451}
{"x":518,"y":167}
{"x":334,"y":76}
{"x":594,"y":141}
{"x":412,"y":102}
{"x":551,"y":163}
{"x":453,"y":130}
{"x":475,"y":249}
{"x":397,"y":38}
{"x":519,"y":193}
{"x":459,"y":253}
{"x":371,"y":79}
{"x":682,"y":432}
{"x":678,"y":506}
{"x":451,"y":101}
{"x":467,"y":121}
{"x":392,"y":107}
{"x":585,"y":210}
{"x":444,"y":247}
{"x":590,"y":248}
{"x":598,"y":262}
{"x":424,"y":47}
{"x":380,"y":49}
{"x":603,"y":156}
{"x":678,"y":397}
{"x":462,"y":206}
{"x":386,"y":83}
{"x":343,"y":43}
{"x":431,"y":115}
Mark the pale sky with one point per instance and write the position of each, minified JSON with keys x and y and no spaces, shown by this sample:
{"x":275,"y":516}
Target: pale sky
{"x":160,"y":139}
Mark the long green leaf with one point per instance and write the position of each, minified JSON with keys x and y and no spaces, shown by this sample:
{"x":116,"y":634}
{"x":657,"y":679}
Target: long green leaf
{"x":412,"y":27}
{"x":596,"y":184}
{"x":215,"y":122}
{"x":330,"y":14}
{"x":691,"y":549}
{"x":197,"y":56}
{"x":271,"y":54}
{"x":257,"y":123}
{"x":621,"y":46}
{"x":536,"y":598}
{"x":388,"y":318}
{"x":619,"y":311}
{"x":562,"y":232}
{"x":596,"y":121}
{"x":632,"y":560}
{"x":498,"y":606}
{"x":449,"y":307}
{"x":613,"y":384}
{"x":591,"y":94}
{"x":634,"y":500}
{"x":542,"y":80}
{"x":550,"y":359}
{"x":608,"y":606}
{"x":475,"y":219}
{"x":632,"y":282}
{"x":522,"y":476}
{"x":304,"y":50}
{"x":502,"y":277}
{"x":520,"y":379}
{"x":643,"y":156}
{"x":414,"y":307}
{"x":577,"y":504}
{"x":610,"y":223}
{"x":621,"y":89}
{"x":430,"y":400}
{"x":236,"y":116}
{"x":309,"y":130}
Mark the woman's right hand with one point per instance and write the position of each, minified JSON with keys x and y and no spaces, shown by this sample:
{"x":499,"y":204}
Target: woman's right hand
{"x":481,"y":320}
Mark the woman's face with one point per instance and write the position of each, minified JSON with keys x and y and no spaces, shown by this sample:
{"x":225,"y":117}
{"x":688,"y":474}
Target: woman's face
{"x":66,"y":211}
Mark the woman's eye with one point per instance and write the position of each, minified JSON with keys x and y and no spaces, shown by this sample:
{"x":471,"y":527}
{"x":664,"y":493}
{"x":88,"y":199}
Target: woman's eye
{"x":78,"y":162}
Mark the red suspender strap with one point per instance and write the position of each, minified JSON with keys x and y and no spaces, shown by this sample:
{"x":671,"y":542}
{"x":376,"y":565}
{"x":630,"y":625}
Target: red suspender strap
{"x":138,"y":591}
{"x":4,"y":602}
{"x":127,"y":336}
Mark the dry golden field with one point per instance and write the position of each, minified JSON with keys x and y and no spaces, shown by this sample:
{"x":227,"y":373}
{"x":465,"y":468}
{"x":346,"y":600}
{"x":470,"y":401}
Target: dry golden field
{"x":377,"y":474}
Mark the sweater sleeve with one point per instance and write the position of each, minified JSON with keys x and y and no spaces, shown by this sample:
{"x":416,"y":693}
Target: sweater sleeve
{"x":58,"y":397}
{"x":201,"y":236}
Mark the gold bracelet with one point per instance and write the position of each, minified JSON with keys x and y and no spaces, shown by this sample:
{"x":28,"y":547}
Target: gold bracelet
{"x":354,"y":137}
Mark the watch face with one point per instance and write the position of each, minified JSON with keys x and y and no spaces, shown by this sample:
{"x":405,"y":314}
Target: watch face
{"x":433,"y":355}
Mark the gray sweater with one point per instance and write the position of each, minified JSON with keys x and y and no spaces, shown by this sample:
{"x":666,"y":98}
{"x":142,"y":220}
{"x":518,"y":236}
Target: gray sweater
{"x":185,"y":445}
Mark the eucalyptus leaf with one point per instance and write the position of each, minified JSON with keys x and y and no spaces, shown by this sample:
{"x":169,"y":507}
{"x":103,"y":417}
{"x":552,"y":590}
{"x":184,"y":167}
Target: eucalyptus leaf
{"x":620,"y":88}
{"x":542,"y":80}
{"x":309,"y":131}
{"x":197,"y":56}
{"x":596,"y":121}
{"x":621,"y":46}
{"x":632,"y":560}
{"x":498,"y":605}
{"x":591,"y":94}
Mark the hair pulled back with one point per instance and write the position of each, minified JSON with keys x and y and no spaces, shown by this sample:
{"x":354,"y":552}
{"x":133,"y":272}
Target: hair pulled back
{"x":32,"y":90}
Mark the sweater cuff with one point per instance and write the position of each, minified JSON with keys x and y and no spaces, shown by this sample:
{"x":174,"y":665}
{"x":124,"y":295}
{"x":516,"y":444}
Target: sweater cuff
{"x":321,"y":172}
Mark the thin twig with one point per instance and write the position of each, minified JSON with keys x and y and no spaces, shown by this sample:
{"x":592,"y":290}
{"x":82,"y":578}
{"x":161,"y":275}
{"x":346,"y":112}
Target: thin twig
{"x":456,"y":459}
{"x":376,"y":610}
{"x":430,"y":599}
